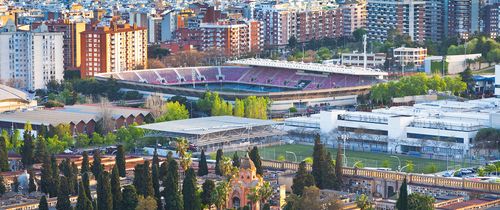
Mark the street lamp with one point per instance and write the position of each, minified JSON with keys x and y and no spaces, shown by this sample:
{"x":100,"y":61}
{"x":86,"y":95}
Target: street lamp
{"x":293,"y":153}
{"x":399,"y":160}
{"x":344,"y":138}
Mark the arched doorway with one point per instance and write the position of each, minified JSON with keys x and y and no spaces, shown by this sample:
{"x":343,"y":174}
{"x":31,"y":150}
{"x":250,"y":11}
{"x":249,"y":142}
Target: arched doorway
{"x":236,"y":202}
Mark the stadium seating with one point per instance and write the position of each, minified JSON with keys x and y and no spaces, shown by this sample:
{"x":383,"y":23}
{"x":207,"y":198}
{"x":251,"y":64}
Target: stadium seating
{"x":288,"y":78}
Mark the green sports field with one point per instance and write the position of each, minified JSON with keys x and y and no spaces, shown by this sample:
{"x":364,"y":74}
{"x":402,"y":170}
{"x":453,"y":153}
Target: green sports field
{"x":368,"y":159}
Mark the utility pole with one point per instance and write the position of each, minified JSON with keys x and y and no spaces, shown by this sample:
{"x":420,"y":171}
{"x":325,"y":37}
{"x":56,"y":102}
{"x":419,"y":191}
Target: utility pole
{"x":364,"y":51}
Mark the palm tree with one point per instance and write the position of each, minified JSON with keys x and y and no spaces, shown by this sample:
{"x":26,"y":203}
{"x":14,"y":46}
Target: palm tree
{"x":254,"y":195}
{"x":265,"y":192}
{"x":182,"y":147}
{"x":227,"y":168}
{"x":220,"y":194}
{"x":186,"y":161}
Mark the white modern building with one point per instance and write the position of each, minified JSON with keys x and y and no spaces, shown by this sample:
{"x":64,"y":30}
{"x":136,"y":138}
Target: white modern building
{"x":497,"y":80}
{"x":373,"y":60}
{"x":30,"y":59}
{"x":439,"y":128}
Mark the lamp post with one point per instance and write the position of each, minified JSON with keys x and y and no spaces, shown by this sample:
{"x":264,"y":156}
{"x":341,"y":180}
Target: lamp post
{"x":399,"y":161}
{"x":293,"y":153}
{"x":344,"y":138}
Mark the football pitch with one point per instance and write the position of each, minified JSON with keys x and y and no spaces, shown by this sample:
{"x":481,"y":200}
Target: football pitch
{"x":366,"y":159}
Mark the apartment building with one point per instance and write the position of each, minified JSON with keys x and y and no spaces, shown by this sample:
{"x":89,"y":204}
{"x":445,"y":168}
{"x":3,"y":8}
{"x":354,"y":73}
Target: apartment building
{"x":71,"y":31}
{"x":305,"y":23}
{"x":30,"y":59}
{"x":354,"y":16}
{"x":434,"y":20}
{"x":373,"y":60}
{"x":406,"y":16}
{"x":235,"y":39}
{"x":410,"y":56}
{"x":491,"y":18}
{"x":113,"y":48}
{"x":463,"y":18}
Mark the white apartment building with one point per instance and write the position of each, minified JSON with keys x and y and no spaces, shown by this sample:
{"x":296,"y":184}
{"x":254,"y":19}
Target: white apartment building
{"x":439,"y":128}
{"x":373,"y":60}
{"x":30,"y":59}
{"x":407,"y":56}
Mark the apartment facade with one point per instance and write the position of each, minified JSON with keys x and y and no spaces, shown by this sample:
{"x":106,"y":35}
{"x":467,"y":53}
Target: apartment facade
{"x":234,"y":39}
{"x":491,"y":18}
{"x":406,"y":16}
{"x":31,"y":59}
{"x":72,"y":47}
{"x":463,"y":18}
{"x":113,"y":49}
{"x":410,"y":56}
{"x":280,"y":23}
{"x":354,"y":16}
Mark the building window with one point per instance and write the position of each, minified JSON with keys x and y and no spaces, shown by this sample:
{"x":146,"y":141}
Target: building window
{"x":435,"y":138}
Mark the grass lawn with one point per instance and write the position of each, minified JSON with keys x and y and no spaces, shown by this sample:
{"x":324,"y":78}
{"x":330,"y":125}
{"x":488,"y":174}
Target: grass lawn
{"x":368,"y":159}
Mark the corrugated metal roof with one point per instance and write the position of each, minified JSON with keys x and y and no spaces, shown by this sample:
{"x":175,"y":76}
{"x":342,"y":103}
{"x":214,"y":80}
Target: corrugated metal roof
{"x":8,"y":93}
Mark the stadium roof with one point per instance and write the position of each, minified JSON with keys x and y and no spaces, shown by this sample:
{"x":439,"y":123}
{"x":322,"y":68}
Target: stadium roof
{"x":207,"y":125}
{"x":327,"y":68}
{"x":8,"y":93}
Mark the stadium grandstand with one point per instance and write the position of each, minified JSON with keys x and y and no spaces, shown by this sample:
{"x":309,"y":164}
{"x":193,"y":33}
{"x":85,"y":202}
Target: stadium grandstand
{"x":218,"y":131}
{"x":282,"y":81}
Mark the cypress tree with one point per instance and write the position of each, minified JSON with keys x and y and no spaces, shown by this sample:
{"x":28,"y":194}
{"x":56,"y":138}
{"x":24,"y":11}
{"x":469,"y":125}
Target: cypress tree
{"x":63,"y":202}
{"x":4,"y":159}
{"x":402,"y":202}
{"x":85,"y":162}
{"x":171,"y":187}
{"x":202,"y":166}
{"x":46,"y":182}
{"x":2,"y":186}
{"x":236,"y":160}
{"x":338,"y":169}
{"x":31,"y":185}
{"x":27,"y":151}
{"x":148,"y":184}
{"x":41,"y":149}
{"x":218,"y":158}
{"x":120,"y":160}
{"x":67,"y":171}
{"x":74,"y":178}
{"x":86,"y":185}
{"x":155,"y":174}
{"x":255,"y":157}
{"x":191,"y":201}
{"x":116,"y":189}
{"x":302,"y":179}
{"x":319,"y":157}
{"x":43,"y":205}
{"x":96,"y":164}
{"x":130,"y":199}
{"x":142,"y":180}
{"x":163,"y":170}
{"x":329,"y":179}
{"x":104,"y":197}
{"x":83,"y":202}
{"x":54,"y":175}
{"x":208,"y":188}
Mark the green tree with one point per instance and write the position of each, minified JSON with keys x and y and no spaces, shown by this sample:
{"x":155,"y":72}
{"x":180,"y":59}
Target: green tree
{"x":155,"y":177}
{"x":319,"y":158}
{"x":218,"y":158}
{"x":417,"y":201}
{"x":219,"y":196}
{"x":255,"y":157}
{"x":130,"y":198}
{"x":86,"y":185}
{"x":358,"y":34}
{"x":302,"y":179}
{"x":402,"y":202}
{"x":83,"y":202}
{"x":31,"y":184}
{"x":386,"y":164}
{"x":292,"y":42}
{"x":46,"y":182}
{"x":431,"y":168}
{"x":265,"y":192}
{"x":120,"y":160}
{"x":191,"y":200}
{"x":96,"y":167}
{"x":236,"y":160}
{"x":4,"y":159}
{"x":43,"y":205}
{"x":104,"y":196}
{"x":85,"y":162}
{"x":41,"y":149}
{"x":239,"y":108}
{"x":27,"y":151}
{"x":173,"y":111}
{"x":116,"y":190}
{"x":143,"y":180}
{"x":3,"y":189}
{"x":468,"y":79}
{"x":63,"y":202}
{"x":208,"y":188}
{"x":171,"y":187}
{"x":363,"y":202}
{"x":410,"y":167}
{"x":202,"y":166}
{"x":146,"y":203}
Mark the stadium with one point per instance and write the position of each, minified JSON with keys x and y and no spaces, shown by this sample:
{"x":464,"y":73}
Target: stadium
{"x":287,"y":84}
